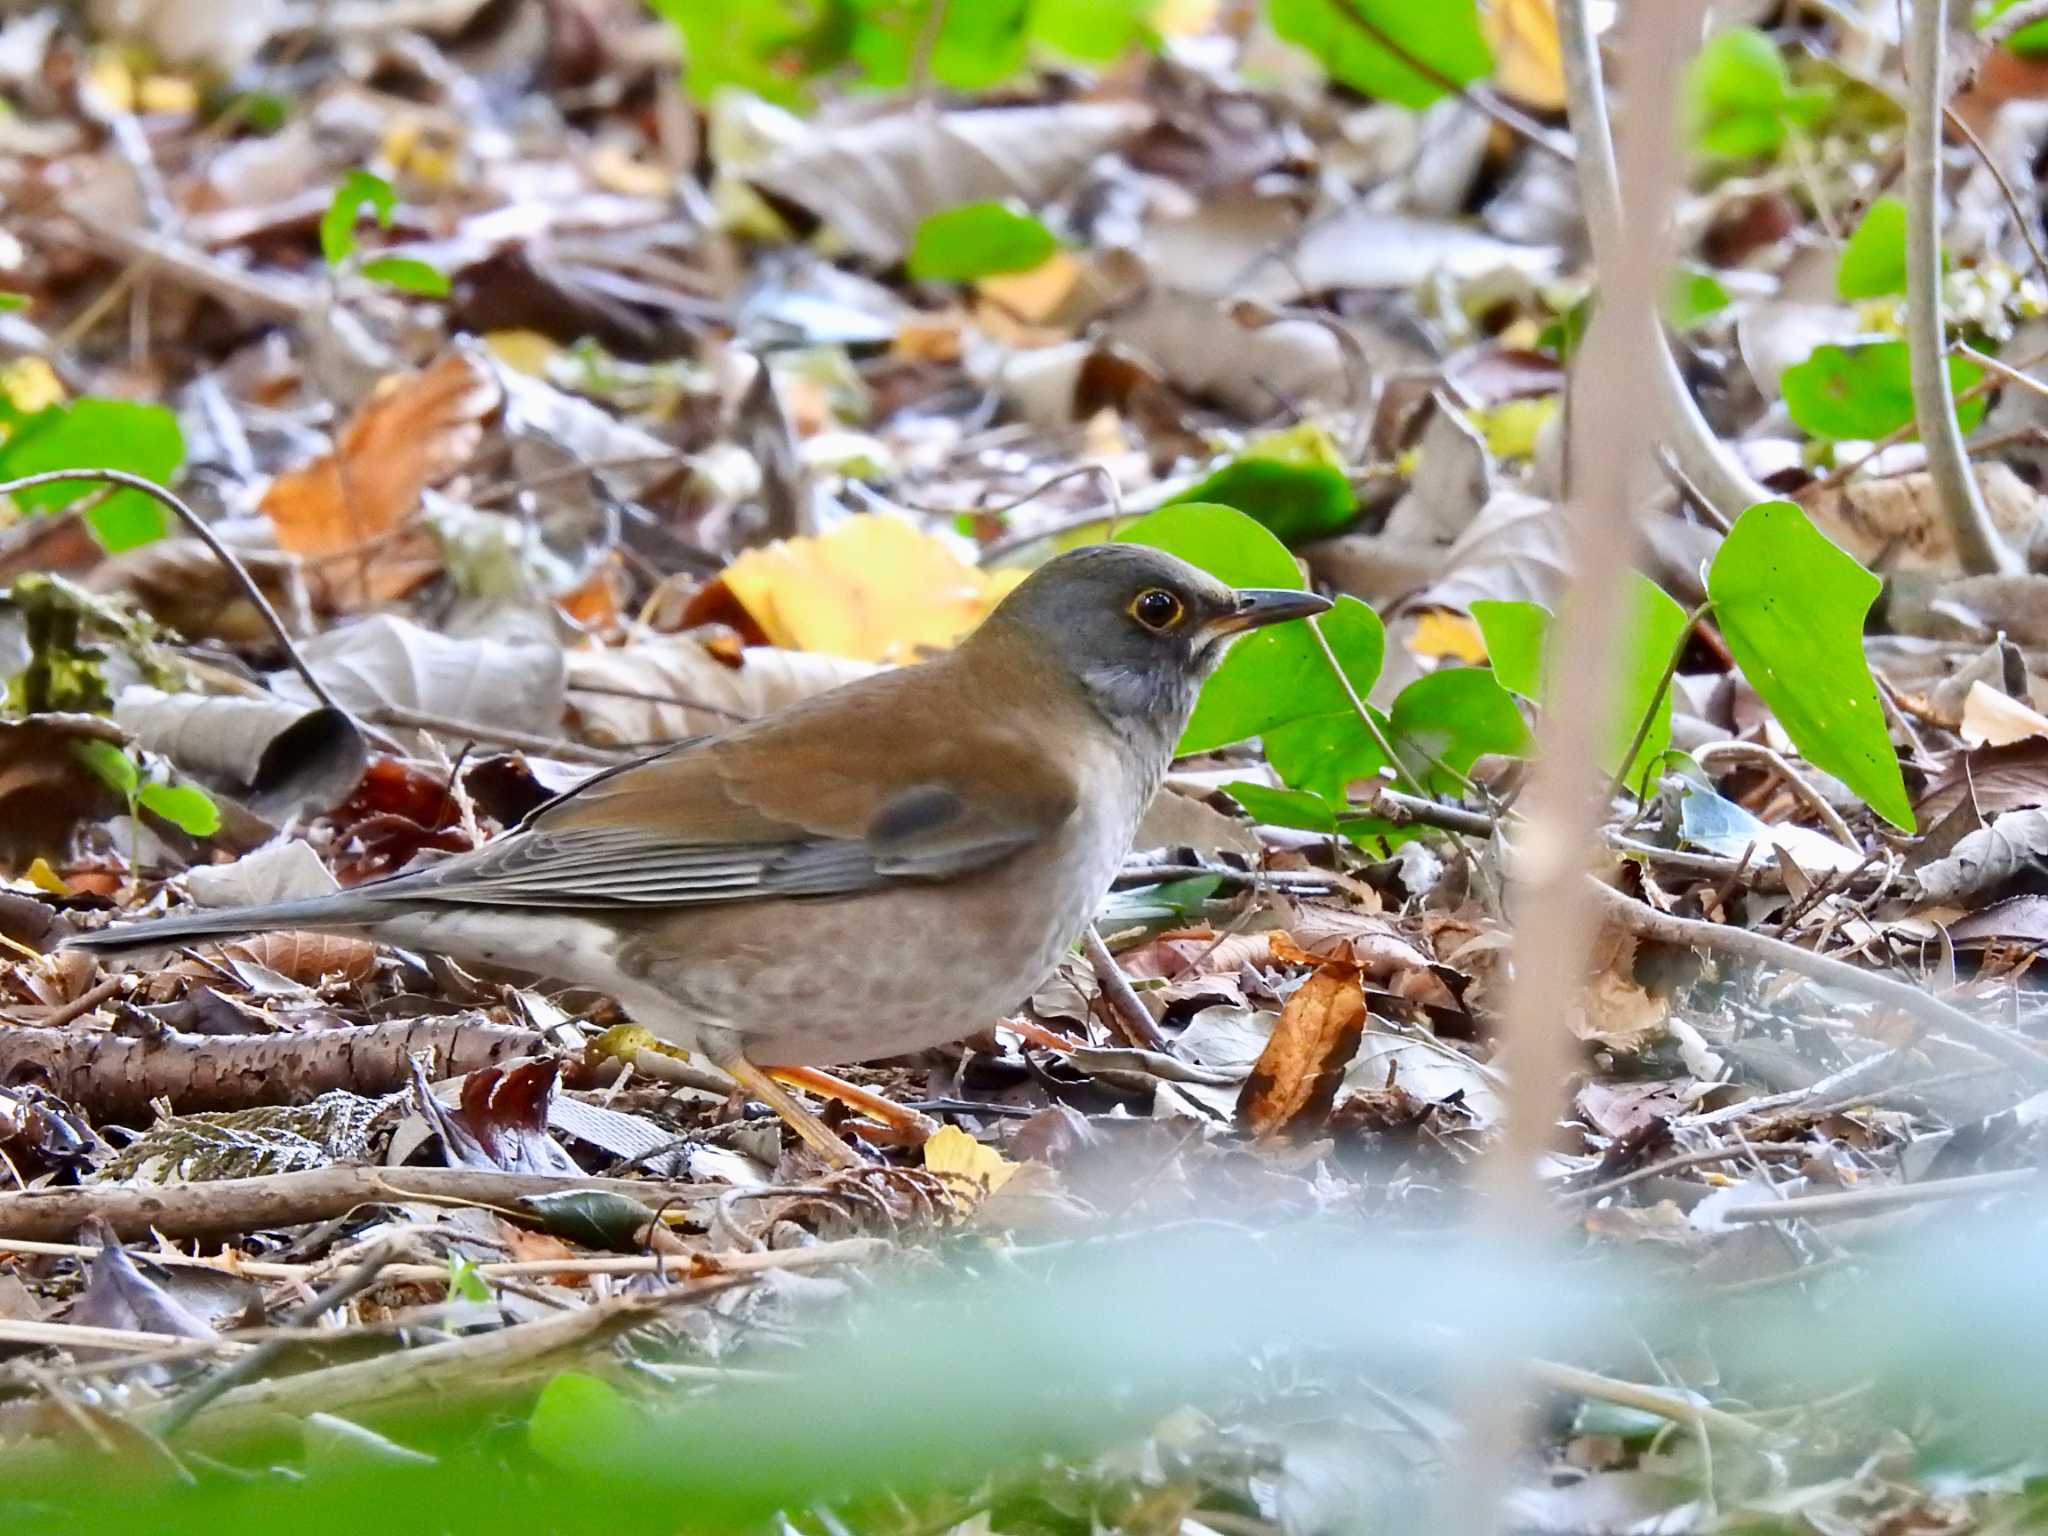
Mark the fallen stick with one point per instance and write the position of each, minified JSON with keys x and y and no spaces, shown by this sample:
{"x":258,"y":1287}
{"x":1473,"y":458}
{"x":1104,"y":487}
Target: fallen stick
{"x":120,"y":1076}
{"x":484,"y":1362}
{"x":1887,"y":1197}
{"x":1745,"y":943}
{"x":225,"y":1207}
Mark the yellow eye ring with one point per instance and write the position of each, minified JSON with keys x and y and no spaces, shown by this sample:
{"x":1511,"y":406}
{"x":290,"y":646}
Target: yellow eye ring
{"x":1157,"y":609}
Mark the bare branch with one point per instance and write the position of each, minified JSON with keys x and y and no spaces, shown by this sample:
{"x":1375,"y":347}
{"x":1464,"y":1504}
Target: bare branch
{"x":1702,"y":458}
{"x":1977,"y":543}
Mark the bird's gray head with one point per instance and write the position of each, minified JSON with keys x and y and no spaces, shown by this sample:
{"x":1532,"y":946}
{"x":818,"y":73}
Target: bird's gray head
{"x":1139,"y":629}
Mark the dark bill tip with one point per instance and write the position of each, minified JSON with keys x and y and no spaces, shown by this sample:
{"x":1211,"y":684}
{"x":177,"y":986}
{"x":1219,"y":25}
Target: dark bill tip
{"x":1269,"y":605}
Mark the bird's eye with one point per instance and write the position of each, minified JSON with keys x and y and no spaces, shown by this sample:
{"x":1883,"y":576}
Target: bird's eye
{"x":1156,"y":608}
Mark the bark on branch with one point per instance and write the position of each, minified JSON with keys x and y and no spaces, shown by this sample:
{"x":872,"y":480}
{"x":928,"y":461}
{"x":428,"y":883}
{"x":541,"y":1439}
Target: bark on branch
{"x":118,"y":1077}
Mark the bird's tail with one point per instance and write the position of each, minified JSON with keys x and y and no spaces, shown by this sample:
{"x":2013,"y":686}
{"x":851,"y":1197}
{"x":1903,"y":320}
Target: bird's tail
{"x":342,"y":911}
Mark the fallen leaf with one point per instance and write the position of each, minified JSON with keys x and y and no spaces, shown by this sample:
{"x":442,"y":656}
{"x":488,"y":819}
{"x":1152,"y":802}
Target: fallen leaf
{"x":415,"y":430}
{"x":1896,"y":524}
{"x":665,"y":690}
{"x":876,"y":181}
{"x":1528,"y":63}
{"x":1439,"y":635}
{"x":1615,"y":1011}
{"x":1991,"y":718}
{"x":309,"y":957}
{"x":1296,"y":1077}
{"x":968,"y":1166}
{"x":875,"y":588}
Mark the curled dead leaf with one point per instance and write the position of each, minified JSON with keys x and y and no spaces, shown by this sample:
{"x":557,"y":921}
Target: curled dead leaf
{"x":1296,"y":1077}
{"x":415,"y":430}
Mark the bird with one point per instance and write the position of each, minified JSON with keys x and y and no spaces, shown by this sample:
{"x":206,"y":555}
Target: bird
{"x":871,"y":871}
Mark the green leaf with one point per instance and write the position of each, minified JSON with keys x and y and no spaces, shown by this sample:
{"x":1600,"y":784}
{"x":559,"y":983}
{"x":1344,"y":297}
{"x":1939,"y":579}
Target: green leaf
{"x":768,"y":47}
{"x":1515,"y":635}
{"x":978,"y":240}
{"x":2028,"y":40}
{"x":1737,"y":95}
{"x":185,"y":806}
{"x":408,"y":276}
{"x":1791,"y":607}
{"x":1284,"y":807}
{"x":1654,"y":623}
{"x":1692,"y":295}
{"x":1446,"y":721}
{"x":1093,"y":31}
{"x":1291,"y":482}
{"x":358,"y":189}
{"x":579,"y":1422}
{"x":1863,"y":392}
{"x":1517,"y":639}
{"x":10,"y":302}
{"x":598,"y":1217}
{"x":1874,"y":261}
{"x":98,"y":434}
{"x":113,"y":767}
{"x":464,"y":1283}
{"x":1444,"y":34}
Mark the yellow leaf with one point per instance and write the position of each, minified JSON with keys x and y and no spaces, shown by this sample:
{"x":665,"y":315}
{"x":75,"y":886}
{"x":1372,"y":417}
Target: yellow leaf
{"x":875,"y":588}
{"x":1185,"y":18}
{"x":1527,"y":62}
{"x":43,"y":878}
{"x":526,"y":352}
{"x":954,"y":1155}
{"x":1035,"y":295}
{"x":29,"y":384}
{"x":1511,"y":428}
{"x":167,"y":94}
{"x":623,"y":1042}
{"x":109,"y":75}
{"x":1442,"y":635}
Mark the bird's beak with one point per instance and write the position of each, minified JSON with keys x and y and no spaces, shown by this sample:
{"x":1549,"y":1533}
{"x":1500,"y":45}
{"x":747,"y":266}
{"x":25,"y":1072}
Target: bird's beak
{"x":1267,"y":605}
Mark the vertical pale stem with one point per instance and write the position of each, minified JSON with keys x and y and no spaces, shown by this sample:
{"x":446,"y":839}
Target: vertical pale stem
{"x":1704,"y":460}
{"x":1977,"y":543}
{"x":1617,"y":412}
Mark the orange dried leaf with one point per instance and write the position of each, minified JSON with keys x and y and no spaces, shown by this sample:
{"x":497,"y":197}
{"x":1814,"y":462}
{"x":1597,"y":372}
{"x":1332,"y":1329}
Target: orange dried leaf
{"x":1297,"y":1075}
{"x":1528,"y":62}
{"x":415,"y":430}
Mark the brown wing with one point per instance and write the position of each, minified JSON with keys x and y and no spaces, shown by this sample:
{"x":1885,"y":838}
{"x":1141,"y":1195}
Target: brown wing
{"x":912,"y":775}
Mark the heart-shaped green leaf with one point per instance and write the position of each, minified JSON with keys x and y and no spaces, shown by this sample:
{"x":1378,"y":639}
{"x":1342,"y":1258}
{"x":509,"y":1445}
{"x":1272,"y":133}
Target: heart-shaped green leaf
{"x":1791,"y":607}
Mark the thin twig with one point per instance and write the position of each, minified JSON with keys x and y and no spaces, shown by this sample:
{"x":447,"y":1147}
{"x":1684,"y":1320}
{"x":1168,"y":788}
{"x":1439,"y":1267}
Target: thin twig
{"x":2013,"y":205}
{"x":339,"y":1293}
{"x":492,"y":735}
{"x":211,"y":540}
{"x":1762,"y":949}
{"x":1123,"y":1000}
{"x":1886,"y":1197}
{"x":1704,"y":460}
{"x":1977,"y":543}
{"x":1756,"y":751}
{"x":1112,"y":492}
{"x":1629,"y":1394}
{"x":1684,"y":1160}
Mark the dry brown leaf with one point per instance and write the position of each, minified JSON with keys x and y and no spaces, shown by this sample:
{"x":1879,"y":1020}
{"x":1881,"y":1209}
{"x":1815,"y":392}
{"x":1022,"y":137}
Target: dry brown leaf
{"x":1617,"y":1013}
{"x":309,"y":957}
{"x":1297,"y":1075}
{"x":664,"y":690}
{"x":1321,"y":934}
{"x":1991,"y":718}
{"x":415,"y":430}
{"x":1896,"y":524}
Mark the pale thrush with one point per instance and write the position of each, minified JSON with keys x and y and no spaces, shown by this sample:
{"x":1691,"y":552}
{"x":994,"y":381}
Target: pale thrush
{"x":871,"y":871}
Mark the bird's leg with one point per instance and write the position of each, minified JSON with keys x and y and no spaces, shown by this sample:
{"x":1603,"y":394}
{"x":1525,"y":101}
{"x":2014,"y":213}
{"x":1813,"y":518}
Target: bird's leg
{"x":913,"y":1127}
{"x":812,"y":1131}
